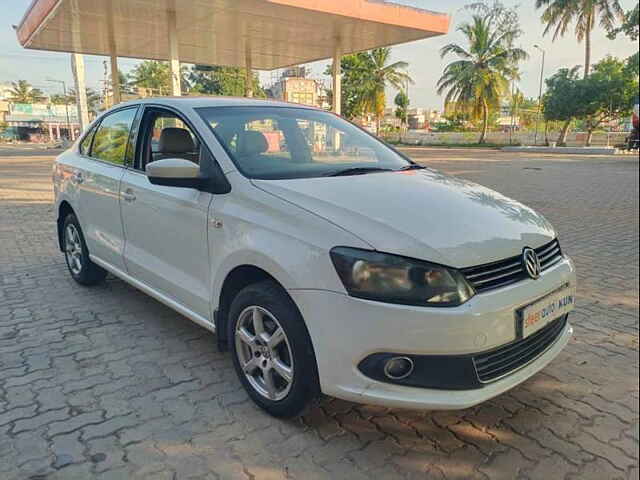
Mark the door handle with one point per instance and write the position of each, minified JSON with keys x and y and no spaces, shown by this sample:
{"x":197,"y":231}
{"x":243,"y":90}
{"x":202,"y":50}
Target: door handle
{"x":129,"y":196}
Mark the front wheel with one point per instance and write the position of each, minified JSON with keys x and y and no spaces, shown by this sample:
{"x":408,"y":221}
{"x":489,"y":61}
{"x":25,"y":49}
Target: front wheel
{"x":272,"y":351}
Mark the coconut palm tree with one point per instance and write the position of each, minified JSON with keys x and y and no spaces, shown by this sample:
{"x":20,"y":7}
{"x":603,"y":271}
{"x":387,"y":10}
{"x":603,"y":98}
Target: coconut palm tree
{"x":477,"y":81}
{"x":560,"y":14}
{"x":377,"y":74}
{"x":23,"y":92}
{"x":93,"y":99}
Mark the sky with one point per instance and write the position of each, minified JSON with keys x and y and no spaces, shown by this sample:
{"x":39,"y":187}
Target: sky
{"x":425,"y":64}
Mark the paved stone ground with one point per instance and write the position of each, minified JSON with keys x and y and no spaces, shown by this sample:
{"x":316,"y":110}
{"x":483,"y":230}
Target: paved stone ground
{"x":107,"y":383}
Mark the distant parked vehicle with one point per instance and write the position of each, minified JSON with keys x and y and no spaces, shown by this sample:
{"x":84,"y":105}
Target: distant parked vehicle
{"x":327,"y":262}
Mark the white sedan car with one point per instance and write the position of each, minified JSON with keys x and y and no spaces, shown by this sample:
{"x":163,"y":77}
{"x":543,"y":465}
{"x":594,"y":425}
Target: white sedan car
{"x":324,"y":260}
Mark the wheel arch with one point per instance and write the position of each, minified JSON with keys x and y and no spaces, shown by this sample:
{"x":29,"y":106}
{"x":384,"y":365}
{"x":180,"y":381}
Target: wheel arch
{"x":235,"y":280}
{"x":64,"y":209}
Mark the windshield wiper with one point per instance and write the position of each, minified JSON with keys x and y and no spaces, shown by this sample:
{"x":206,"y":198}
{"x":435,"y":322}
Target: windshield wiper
{"x":357,"y":171}
{"x":413,"y":166}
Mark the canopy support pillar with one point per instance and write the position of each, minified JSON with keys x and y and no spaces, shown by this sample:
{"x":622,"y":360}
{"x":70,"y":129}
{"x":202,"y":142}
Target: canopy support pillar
{"x":174,"y":57}
{"x":115,"y":77}
{"x":115,"y":80}
{"x":248,"y":80}
{"x":336,"y":74}
{"x":77,"y":66}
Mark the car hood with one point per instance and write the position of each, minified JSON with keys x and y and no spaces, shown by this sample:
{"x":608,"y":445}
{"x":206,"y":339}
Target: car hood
{"x":421,"y":214}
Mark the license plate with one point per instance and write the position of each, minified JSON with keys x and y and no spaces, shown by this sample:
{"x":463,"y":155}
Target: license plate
{"x":547,"y":309}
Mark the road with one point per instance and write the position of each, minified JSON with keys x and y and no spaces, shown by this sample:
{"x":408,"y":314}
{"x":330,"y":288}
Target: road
{"x":107,"y":383}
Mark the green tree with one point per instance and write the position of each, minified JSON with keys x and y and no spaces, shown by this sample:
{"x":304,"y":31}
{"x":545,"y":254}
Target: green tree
{"x":59,"y":99}
{"x":153,"y":75}
{"x":354,"y":69}
{"x":609,"y":92}
{"x":365,"y":75}
{"x":559,"y":15}
{"x":402,"y":104}
{"x":219,"y":80}
{"x":527,"y":110}
{"x":476,"y":82}
{"x":564,"y":99}
{"x":382,"y":73}
{"x":123,"y":81}
{"x":630,"y":25}
{"x":22,"y":92}
{"x":156,"y":76}
{"x":93,"y":99}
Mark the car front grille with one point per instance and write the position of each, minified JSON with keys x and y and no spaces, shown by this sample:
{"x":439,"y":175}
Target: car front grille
{"x":505,"y":272}
{"x":494,"y":364}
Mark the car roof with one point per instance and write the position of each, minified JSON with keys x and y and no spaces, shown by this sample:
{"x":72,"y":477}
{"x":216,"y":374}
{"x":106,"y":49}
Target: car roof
{"x":200,"y":102}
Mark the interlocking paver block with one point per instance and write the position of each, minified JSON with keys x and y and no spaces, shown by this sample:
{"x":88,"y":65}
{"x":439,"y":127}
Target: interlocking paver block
{"x":108,"y":383}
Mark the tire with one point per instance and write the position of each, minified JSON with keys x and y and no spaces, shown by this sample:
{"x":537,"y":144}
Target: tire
{"x":292,"y":356}
{"x":76,"y":254}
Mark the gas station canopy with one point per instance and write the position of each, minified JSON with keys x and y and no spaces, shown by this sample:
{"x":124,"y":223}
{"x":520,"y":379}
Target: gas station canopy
{"x":262,"y":34}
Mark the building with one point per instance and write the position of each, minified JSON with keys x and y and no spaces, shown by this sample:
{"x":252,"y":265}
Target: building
{"x":418,"y":118}
{"x":40,"y":122}
{"x":294,"y":86}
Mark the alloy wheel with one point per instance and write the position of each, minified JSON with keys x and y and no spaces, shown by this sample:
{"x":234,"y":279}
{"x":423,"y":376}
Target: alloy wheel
{"x":264,"y":353}
{"x":73,"y":249}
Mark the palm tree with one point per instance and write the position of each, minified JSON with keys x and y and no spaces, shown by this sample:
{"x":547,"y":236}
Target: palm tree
{"x":377,"y":74}
{"x":560,"y":14}
{"x":93,"y":99}
{"x":476,"y":83}
{"x":23,"y":92}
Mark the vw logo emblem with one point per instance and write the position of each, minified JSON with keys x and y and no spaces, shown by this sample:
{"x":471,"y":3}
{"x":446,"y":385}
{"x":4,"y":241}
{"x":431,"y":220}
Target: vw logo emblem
{"x":531,"y":263}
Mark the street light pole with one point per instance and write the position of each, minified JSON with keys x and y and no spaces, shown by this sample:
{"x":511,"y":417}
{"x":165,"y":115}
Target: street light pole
{"x":535,"y":141}
{"x":66,"y":104}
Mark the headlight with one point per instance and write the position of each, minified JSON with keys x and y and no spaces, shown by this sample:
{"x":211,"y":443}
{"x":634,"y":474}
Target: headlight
{"x":395,"y":279}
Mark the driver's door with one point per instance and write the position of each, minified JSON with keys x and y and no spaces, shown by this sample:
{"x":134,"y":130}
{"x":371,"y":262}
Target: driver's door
{"x":165,"y":228}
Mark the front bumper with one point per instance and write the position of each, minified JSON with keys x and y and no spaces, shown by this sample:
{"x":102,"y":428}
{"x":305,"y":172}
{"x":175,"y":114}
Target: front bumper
{"x":346,"y":330}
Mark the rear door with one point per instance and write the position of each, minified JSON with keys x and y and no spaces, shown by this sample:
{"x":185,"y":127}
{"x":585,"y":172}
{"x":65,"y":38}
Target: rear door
{"x":99,"y":186}
{"x":166,"y":227}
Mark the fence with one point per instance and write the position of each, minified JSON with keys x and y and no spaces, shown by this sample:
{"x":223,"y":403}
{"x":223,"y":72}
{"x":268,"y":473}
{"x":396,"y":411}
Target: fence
{"x":574,"y":139}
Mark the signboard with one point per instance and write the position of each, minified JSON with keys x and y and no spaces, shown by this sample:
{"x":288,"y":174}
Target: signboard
{"x":44,"y":110}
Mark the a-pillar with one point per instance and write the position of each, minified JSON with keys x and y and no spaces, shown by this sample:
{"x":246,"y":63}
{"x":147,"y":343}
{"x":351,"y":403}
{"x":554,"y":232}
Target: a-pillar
{"x":174,"y":56}
{"x":57,"y":131}
{"x":50,"y":132}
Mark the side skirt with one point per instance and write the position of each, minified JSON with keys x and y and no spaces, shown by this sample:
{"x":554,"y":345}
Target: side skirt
{"x":161,"y":297}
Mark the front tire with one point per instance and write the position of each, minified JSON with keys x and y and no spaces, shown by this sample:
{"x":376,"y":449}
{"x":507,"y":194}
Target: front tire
{"x":272,"y":352}
{"x":81,"y":268}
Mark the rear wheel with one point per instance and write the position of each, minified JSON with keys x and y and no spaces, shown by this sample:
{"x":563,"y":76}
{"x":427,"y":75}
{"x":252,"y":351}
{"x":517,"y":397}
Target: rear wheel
{"x":272,"y":351}
{"x":81,"y":268}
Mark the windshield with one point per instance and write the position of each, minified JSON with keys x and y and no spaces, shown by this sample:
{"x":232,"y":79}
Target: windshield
{"x":282,"y":143}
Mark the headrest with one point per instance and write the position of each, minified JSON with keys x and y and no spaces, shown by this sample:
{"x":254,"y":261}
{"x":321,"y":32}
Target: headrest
{"x":175,"y":140}
{"x":252,"y":143}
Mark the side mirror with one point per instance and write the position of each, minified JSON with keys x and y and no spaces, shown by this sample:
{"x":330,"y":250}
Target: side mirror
{"x":174,"y":172}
